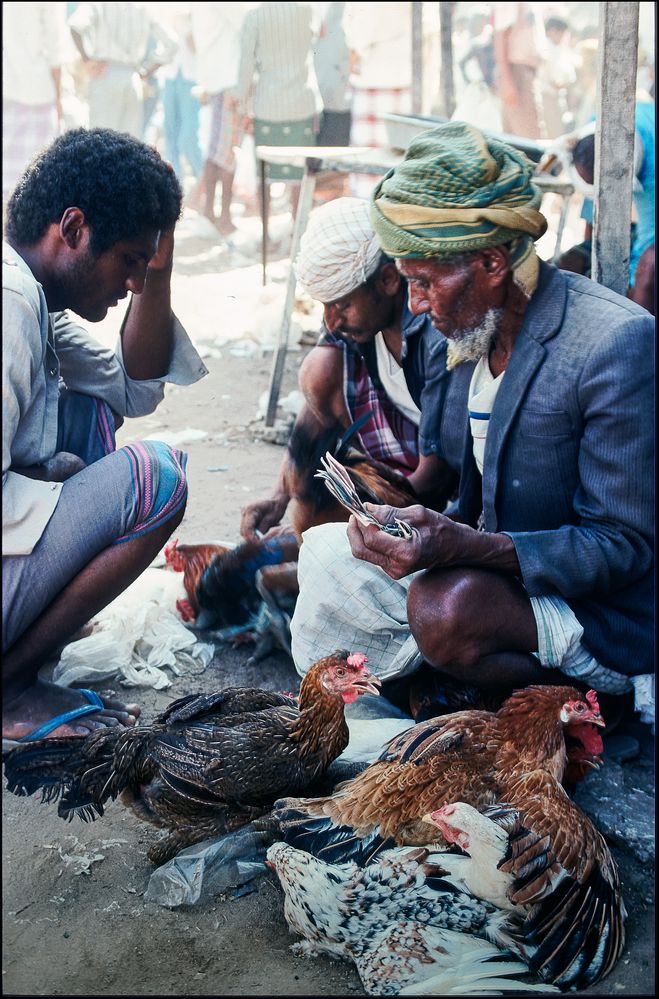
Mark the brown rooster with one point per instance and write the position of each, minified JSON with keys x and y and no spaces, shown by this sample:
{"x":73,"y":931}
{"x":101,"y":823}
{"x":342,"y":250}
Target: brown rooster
{"x":518,"y":757}
{"x":208,"y":764}
{"x":465,"y":756}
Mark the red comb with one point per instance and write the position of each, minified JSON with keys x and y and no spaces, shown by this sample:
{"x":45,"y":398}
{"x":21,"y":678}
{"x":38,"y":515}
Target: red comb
{"x":591,"y":697}
{"x":357,"y":659}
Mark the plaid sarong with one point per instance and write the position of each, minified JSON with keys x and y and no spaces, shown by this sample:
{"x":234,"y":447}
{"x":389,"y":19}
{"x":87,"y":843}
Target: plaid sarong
{"x":226,"y":132}
{"x":159,"y":484}
{"x":388,"y":435}
{"x":368,"y":128}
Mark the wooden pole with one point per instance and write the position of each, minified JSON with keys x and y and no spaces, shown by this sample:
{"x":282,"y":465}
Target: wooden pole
{"x":446,"y":70}
{"x":417,"y":58}
{"x":614,"y":144}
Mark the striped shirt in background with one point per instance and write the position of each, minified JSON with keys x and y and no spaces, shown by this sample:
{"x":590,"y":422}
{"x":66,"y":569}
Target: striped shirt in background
{"x":277,"y":49}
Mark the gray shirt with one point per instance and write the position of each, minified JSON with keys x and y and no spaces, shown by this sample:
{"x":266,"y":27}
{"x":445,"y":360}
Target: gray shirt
{"x":39,"y":352}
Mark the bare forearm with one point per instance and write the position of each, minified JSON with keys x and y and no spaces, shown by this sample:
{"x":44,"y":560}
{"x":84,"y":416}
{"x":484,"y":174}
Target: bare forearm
{"x":147,"y":332}
{"x":484,"y":550}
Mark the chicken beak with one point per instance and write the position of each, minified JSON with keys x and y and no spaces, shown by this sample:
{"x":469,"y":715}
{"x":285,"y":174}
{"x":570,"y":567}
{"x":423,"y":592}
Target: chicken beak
{"x":596,"y":719}
{"x":368,"y":683}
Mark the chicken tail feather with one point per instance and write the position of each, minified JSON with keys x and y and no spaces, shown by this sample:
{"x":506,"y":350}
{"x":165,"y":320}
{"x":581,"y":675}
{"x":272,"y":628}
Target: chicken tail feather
{"x":320,"y":836}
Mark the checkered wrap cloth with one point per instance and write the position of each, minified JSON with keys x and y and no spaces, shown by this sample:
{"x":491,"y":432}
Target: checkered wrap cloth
{"x":457,"y":191}
{"x":338,"y":251}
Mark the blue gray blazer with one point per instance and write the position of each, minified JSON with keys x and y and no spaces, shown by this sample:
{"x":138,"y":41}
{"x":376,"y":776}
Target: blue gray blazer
{"x":569,"y":461}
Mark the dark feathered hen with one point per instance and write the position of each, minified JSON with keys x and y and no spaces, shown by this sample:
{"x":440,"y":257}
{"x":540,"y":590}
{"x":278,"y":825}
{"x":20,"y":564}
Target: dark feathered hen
{"x":208,"y":764}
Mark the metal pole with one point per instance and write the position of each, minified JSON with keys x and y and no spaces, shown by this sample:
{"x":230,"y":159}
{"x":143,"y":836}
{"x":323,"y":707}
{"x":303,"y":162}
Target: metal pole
{"x":614,"y":144}
{"x":302,"y":217}
{"x":446,"y":70}
{"x":265,"y":211}
{"x":417,"y":58}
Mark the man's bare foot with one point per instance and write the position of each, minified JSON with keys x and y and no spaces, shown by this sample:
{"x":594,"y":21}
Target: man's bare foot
{"x":43,"y":701}
{"x":223,"y":225}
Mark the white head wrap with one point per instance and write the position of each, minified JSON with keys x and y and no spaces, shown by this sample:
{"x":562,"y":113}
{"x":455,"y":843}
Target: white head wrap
{"x":339,"y":249}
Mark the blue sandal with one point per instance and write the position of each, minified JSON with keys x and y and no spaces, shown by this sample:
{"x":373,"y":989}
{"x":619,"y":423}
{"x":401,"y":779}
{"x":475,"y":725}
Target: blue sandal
{"x":95,"y":704}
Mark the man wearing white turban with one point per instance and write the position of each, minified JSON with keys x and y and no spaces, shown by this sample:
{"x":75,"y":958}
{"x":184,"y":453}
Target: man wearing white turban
{"x":375,"y":365}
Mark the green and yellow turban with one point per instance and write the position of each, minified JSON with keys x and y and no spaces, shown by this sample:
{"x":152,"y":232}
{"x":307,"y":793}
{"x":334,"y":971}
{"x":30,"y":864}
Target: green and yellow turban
{"x":457,"y":191}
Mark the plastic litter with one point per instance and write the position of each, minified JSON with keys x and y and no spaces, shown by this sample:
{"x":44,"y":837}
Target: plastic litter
{"x":137,"y":637}
{"x":207,"y":868}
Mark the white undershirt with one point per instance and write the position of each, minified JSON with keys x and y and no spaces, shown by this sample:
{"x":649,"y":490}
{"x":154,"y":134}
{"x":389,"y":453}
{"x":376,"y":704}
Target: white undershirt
{"x":482,"y":393}
{"x":393,"y":381}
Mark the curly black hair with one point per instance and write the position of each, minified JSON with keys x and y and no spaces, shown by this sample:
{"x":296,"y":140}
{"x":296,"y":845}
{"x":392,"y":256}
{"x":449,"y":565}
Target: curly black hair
{"x":122,"y":185}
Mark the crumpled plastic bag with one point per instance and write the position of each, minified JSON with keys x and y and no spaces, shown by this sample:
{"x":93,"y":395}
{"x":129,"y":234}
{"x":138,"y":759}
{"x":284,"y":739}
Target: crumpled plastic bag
{"x":207,"y":868}
{"x":137,"y":637}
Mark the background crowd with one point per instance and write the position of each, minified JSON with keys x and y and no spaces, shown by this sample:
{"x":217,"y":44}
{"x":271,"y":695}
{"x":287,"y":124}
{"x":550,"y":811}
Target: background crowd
{"x":204,"y":82}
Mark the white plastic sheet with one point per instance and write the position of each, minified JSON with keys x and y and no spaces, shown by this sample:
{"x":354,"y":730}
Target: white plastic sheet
{"x":137,"y":638}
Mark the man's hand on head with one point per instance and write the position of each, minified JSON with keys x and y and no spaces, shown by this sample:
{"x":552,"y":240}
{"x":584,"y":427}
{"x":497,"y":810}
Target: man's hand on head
{"x":163,"y":258}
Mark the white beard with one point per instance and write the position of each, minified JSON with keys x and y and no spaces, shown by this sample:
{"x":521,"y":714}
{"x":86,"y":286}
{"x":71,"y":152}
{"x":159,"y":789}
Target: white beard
{"x":474,"y":343}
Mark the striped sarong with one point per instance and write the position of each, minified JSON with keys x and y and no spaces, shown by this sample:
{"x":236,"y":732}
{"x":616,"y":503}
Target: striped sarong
{"x":159,"y":484}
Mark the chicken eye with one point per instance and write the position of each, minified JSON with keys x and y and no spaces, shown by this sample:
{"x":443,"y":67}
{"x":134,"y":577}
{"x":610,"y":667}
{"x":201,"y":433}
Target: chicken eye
{"x":340,"y":672}
{"x":580,"y":708}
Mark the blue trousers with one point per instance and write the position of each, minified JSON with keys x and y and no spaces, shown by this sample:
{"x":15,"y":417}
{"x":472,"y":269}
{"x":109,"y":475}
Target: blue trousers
{"x":182,"y":125}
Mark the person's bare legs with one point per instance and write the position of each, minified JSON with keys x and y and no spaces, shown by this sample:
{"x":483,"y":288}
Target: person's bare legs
{"x":477,"y":626}
{"x":29,"y":702}
{"x":212,"y":173}
{"x":224,"y":223}
{"x":209,"y":179}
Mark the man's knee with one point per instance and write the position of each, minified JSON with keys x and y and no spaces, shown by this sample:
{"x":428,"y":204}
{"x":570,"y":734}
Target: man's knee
{"x":438,"y":606}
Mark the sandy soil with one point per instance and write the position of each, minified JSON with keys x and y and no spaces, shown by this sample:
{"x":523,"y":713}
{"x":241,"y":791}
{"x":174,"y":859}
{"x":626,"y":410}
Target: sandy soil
{"x":80,"y":926}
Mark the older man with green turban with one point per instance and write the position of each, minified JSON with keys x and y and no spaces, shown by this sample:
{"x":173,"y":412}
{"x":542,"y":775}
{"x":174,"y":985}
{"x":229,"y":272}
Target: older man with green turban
{"x":548,"y":573}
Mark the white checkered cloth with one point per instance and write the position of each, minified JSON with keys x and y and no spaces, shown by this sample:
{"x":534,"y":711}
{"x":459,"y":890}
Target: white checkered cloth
{"x":339,"y":249}
{"x":559,"y":647}
{"x":345,"y":603}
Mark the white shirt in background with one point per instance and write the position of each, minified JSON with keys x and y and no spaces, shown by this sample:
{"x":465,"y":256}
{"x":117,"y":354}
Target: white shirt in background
{"x":276,"y":62}
{"x":381,"y":35}
{"x":33,"y":44}
{"x":216,"y":31}
{"x":120,"y":33}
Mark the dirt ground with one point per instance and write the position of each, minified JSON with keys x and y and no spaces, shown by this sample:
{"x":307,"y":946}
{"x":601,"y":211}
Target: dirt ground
{"x":80,"y":927}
